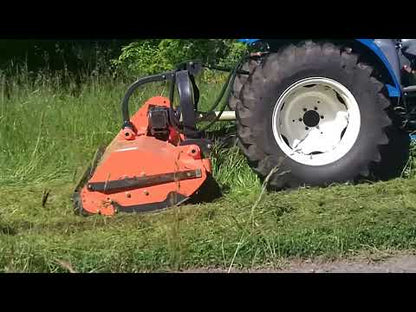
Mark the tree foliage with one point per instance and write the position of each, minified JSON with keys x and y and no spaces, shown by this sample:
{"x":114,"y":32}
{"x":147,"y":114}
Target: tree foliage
{"x":150,"y":56}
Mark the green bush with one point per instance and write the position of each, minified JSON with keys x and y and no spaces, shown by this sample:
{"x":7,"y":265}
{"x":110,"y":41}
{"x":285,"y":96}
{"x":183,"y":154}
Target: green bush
{"x":150,"y":56}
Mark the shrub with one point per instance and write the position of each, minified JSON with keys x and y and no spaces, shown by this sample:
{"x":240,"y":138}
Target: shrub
{"x":150,"y":56}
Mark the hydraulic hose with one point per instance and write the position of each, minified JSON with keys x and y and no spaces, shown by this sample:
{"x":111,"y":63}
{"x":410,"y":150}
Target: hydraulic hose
{"x":227,"y":83}
{"x":134,"y":87}
{"x":230,"y":82}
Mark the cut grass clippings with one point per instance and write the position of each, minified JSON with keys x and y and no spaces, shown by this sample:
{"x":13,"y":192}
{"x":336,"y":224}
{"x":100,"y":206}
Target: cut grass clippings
{"x":333,"y":222}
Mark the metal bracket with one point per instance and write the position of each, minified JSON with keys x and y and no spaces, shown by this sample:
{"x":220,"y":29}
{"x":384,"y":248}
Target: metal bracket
{"x":125,"y":103}
{"x":146,"y":181}
{"x":187,"y":104}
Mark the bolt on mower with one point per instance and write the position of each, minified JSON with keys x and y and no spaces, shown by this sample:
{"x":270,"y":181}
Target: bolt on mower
{"x":323,"y":111}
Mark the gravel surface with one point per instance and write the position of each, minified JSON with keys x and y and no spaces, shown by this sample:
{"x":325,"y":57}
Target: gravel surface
{"x":394,"y":264}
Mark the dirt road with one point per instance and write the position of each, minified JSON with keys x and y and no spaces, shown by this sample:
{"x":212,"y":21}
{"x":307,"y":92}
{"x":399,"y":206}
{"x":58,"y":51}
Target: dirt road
{"x":394,"y":264}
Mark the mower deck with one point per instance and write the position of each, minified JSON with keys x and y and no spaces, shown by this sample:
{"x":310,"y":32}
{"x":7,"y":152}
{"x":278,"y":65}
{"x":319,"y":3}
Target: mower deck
{"x":140,"y":173}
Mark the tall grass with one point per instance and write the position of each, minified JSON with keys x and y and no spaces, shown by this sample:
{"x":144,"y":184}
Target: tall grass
{"x":52,"y":123}
{"x":47,"y":128}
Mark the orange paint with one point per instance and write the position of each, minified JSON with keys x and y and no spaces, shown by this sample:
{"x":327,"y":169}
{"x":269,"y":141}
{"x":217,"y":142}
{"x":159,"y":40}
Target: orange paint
{"x":139,"y":154}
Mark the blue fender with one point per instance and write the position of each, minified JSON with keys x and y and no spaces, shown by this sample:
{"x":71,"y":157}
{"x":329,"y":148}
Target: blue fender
{"x":393,"y":90}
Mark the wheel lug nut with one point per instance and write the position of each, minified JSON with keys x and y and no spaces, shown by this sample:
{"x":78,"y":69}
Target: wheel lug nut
{"x":300,"y":119}
{"x":322,"y":117}
{"x":316,"y":108}
{"x":304,"y":109}
{"x":306,"y":128}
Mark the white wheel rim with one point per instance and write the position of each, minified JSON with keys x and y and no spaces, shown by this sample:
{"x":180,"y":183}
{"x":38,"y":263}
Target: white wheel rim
{"x":316,"y":121}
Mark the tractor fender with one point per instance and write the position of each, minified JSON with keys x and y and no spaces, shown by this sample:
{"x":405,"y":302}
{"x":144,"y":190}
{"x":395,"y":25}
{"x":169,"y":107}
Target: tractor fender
{"x":385,"y":51}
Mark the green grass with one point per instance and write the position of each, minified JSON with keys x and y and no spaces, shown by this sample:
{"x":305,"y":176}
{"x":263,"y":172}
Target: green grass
{"x":49,"y":133}
{"x":331,"y":223}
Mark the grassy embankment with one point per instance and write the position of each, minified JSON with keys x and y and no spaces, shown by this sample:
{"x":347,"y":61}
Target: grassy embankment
{"x":49,"y":132}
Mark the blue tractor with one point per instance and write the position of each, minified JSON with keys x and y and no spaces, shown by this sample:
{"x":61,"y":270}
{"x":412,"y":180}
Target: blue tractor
{"x":326,"y":111}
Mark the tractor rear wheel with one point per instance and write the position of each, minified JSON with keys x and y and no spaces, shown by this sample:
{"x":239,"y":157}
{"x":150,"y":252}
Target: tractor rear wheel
{"x":317,"y":113}
{"x":239,"y":82}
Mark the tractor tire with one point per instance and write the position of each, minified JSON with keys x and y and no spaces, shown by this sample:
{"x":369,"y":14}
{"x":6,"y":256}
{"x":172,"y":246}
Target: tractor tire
{"x":239,"y":82}
{"x":317,"y":114}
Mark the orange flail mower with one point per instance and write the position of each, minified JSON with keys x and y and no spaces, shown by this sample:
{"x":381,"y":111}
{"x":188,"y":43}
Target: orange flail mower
{"x":159,"y":159}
